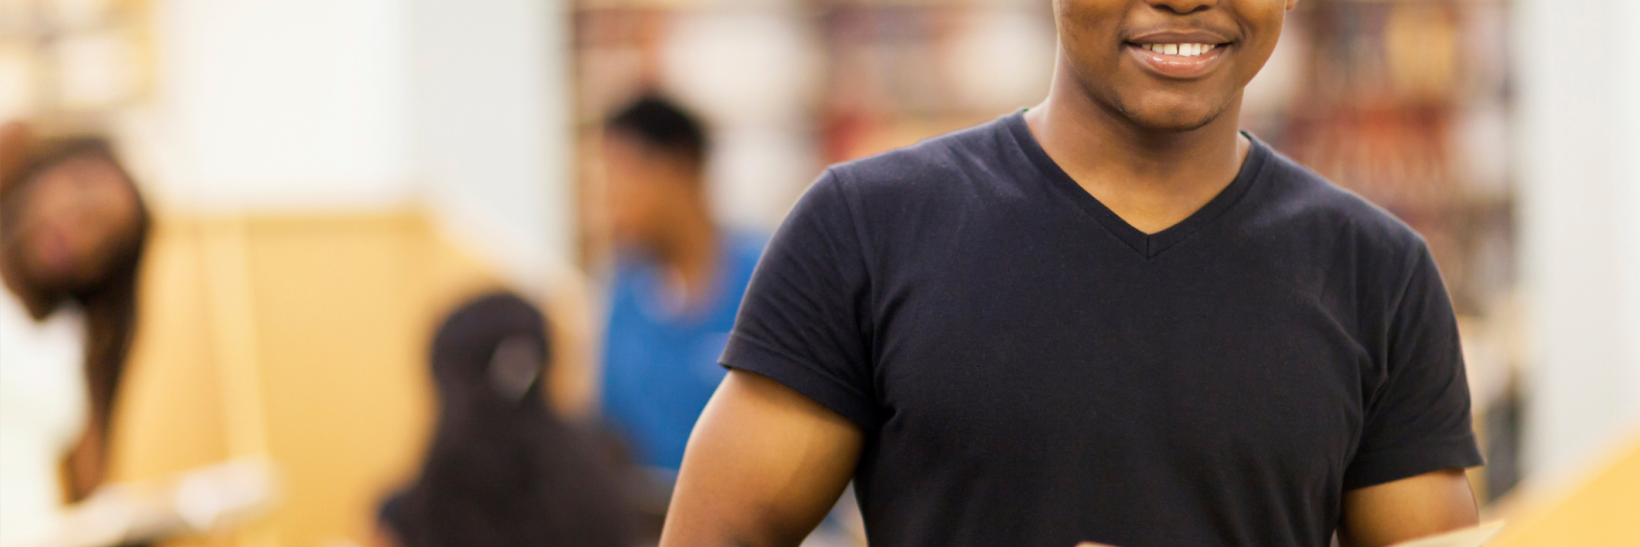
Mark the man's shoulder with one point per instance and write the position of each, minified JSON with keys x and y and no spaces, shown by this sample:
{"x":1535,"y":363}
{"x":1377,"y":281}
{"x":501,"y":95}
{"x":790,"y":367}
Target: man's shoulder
{"x":1301,"y":202}
{"x":930,"y":163}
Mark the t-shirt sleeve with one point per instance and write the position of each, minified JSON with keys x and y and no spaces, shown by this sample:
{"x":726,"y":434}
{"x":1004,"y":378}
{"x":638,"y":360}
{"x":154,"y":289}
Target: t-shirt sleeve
{"x":1418,"y":421}
{"x":804,"y":320}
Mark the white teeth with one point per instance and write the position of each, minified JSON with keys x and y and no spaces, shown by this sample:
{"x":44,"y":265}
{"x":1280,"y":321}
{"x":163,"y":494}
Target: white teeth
{"x":1182,"y":50}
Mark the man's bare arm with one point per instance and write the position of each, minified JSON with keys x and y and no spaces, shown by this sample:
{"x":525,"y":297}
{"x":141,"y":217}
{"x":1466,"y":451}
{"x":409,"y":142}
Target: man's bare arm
{"x":1416,"y":507}
{"x":763,"y":467}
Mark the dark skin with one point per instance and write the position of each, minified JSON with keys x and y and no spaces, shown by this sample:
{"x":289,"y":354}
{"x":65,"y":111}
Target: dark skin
{"x":1154,"y":139}
{"x":658,"y":205}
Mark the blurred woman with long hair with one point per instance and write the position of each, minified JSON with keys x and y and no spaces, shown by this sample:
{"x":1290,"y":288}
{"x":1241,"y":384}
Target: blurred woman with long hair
{"x":504,"y":470}
{"x":72,"y":232}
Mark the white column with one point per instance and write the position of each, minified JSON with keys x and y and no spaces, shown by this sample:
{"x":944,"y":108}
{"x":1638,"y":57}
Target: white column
{"x":296,"y":105}
{"x":280,"y":104}
{"x":492,"y":127}
{"x":1579,"y":150}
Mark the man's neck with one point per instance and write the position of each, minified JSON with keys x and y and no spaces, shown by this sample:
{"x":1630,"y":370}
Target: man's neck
{"x":1153,"y":179}
{"x":688,"y":252}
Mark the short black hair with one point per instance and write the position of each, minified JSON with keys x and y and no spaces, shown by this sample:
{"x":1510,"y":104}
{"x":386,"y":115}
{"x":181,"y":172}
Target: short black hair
{"x":662,"y":124}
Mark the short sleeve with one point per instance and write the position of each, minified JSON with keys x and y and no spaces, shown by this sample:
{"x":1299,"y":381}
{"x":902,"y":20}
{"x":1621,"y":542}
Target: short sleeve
{"x":1418,"y":421}
{"x":804,"y":321}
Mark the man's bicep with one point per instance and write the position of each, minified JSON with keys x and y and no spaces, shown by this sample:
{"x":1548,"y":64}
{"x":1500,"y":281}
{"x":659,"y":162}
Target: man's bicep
{"x":1410,"y":508}
{"x":763,"y":467}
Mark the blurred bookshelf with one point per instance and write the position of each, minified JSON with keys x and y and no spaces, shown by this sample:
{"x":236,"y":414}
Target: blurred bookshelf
{"x":1408,"y":104}
{"x":1405,"y":102}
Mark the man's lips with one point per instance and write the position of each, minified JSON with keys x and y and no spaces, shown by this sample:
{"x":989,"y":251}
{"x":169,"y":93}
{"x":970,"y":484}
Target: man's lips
{"x":1178,"y":53}
{"x":1178,"y":60}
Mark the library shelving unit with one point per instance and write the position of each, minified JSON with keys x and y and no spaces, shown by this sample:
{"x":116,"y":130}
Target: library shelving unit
{"x":791,"y":86}
{"x":1407,"y":104}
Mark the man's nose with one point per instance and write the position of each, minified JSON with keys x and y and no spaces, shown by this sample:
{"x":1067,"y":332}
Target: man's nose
{"x":1183,"y":6}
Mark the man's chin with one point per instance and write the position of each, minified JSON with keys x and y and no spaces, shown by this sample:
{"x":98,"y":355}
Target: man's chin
{"x":1172,"y":122}
{"x":1172,"y":116}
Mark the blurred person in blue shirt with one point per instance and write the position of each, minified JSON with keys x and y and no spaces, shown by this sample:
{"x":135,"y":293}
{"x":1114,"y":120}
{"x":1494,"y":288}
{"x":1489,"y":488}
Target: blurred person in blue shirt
{"x":677,"y":284}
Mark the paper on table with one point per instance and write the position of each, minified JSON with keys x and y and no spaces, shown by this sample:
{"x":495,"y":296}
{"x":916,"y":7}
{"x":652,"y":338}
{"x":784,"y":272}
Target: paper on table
{"x":1467,"y":537}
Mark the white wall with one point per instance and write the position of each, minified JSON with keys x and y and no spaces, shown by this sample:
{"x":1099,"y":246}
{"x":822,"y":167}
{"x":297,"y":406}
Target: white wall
{"x":283,"y":103}
{"x":297,"y":105}
{"x":493,"y":126}
{"x":1579,"y":154}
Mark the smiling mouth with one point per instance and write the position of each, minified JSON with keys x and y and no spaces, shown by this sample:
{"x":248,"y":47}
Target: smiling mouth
{"x":1180,"y":50}
{"x":1179,"y":60}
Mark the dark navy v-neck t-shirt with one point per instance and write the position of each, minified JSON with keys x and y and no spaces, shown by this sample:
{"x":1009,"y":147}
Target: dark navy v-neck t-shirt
{"x":1030,"y":370}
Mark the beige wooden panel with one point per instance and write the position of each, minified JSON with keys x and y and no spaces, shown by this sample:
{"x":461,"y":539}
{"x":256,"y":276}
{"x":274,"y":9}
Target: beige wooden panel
{"x":299,"y":337}
{"x":1603,"y":510}
{"x":344,"y":307}
{"x":169,"y":418}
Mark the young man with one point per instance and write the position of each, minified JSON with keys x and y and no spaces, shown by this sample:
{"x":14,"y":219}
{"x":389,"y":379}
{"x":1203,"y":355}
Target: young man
{"x":677,"y":283}
{"x":1110,"y":318}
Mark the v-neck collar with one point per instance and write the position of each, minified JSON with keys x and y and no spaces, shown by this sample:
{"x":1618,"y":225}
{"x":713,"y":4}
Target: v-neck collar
{"x":1147,"y":245}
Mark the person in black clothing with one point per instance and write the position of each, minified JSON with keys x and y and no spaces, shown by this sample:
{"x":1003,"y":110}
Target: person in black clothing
{"x":1109,"y":318}
{"x":503,"y":471}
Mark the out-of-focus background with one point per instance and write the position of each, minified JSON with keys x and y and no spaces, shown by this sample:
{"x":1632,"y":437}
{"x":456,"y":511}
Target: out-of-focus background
{"x":330,"y":176}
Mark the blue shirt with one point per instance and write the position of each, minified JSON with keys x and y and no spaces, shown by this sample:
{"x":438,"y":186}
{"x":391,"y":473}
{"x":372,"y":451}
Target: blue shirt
{"x":661,"y":364}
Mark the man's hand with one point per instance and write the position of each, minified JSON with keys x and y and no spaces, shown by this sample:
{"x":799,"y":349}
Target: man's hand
{"x":764,"y":466}
{"x":1416,"y":507}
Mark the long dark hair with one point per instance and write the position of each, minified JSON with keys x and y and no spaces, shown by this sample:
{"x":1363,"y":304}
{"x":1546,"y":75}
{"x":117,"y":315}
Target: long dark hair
{"x":109,"y":303}
{"x":503,"y":470}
